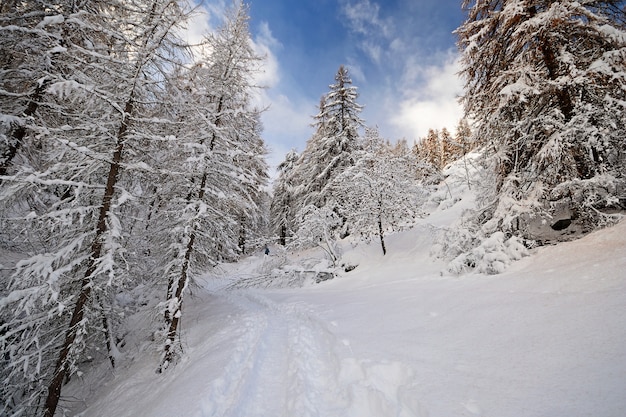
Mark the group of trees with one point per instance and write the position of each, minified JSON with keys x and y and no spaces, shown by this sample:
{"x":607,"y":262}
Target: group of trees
{"x":439,"y":148}
{"x":545,"y":84}
{"x":545,"y":87}
{"x":349,"y":183}
{"x":120,"y":146}
{"x":124,"y":150}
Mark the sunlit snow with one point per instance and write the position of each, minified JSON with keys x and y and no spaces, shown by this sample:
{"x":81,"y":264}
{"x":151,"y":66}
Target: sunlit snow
{"x":396,"y":336}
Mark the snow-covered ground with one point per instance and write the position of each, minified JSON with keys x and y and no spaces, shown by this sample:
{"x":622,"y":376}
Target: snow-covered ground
{"x":395,"y":337}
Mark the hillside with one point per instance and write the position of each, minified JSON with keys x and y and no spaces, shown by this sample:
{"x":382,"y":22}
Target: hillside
{"x":394,"y":337}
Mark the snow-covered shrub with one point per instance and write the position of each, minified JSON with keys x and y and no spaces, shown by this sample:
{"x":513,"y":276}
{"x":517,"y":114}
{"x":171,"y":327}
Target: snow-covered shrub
{"x":492,"y":256}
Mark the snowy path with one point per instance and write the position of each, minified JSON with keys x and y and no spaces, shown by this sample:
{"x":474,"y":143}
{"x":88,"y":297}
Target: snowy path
{"x":285,"y":363}
{"x":395,"y":338}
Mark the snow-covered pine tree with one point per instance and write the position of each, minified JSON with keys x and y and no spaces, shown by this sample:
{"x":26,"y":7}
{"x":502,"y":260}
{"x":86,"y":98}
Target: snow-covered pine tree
{"x":427,"y":152}
{"x":546,"y":86}
{"x":431,"y":148}
{"x":333,"y":146}
{"x":223,"y":167}
{"x":98,"y":80}
{"x":282,"y":208}
{"x":379,"y":194}
{"x":463,"y":143}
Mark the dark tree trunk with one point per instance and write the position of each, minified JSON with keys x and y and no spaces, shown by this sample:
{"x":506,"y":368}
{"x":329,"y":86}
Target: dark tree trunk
{"x":242,"y":236}
{"x":174,"y":318}
{"x":16,"y":138}
{"x":283,"y":235}
{"x":61,"y":371}
{"x":381,"y":234}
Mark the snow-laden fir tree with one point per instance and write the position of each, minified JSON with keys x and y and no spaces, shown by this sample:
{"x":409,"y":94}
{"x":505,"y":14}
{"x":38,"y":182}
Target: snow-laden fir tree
{"x":332,"y":148}
{"x":546,"y":85}
{"x":282,"y":208}
{"x":427,"y":151}
{"x":92,"y":69}
{"x":463,"y":138}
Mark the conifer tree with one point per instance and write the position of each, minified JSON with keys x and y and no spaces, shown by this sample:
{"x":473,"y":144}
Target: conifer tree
{"x":546,"y":85}
{"x":448,"y":150}
{"x":332,"y":147}
{"x":282,"y":215}
{"x":463,"y":137}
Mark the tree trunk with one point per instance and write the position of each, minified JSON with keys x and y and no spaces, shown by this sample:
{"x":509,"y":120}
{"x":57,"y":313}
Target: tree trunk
{"x":381,"y":235}
{"x":54,"y":389}
{"x":242,"y":236}
{"x":16,"y":138}
{"x":283,"y":235}
{"x":174,"y":319}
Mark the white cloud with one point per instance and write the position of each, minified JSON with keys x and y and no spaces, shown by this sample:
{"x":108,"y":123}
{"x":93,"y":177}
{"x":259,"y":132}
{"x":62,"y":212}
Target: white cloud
{"x":263,"y":44}
{"x":286,"y":126}
{"x":363,"y":18}
{"x":356,"y":72}
{"x":432,"y":103}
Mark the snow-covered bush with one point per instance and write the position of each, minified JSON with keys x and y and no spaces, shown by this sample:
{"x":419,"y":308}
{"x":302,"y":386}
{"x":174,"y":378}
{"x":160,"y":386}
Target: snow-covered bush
{"x":492,"y":256}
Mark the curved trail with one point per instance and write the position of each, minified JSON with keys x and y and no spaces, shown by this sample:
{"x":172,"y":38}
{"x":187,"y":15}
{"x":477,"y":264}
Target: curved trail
{"x":286,"y":363}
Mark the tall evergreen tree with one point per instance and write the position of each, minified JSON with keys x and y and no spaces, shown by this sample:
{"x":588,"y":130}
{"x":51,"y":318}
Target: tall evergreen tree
{"x":332,"y":147}
{"x":546,"y":84}
{"x":463,"y":137}
{"x":218,"y":201}
{"x":282,"y":209}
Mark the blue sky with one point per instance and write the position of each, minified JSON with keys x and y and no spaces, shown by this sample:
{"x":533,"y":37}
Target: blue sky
{"x":401,"y":54}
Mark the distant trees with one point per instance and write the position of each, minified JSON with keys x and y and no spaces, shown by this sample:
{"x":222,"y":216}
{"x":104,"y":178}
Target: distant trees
{"x":282,"y":207}
{"x":345,"y":184}
{"x":439,"y":148}
{"x":546,"y":84}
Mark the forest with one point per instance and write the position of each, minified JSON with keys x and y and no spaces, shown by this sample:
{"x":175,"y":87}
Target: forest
{"x":131,"y":161}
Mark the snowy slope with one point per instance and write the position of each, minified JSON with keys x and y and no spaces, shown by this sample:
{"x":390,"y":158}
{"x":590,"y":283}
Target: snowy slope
{"x":396,"y":337}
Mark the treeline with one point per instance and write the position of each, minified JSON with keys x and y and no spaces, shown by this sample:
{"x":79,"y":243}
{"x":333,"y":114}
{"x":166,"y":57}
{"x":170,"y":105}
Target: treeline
{"x":127,"y":158}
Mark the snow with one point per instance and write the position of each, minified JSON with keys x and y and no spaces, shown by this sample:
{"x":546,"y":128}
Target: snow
{"x":51,"y":20}
{"x":397,"y":336}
